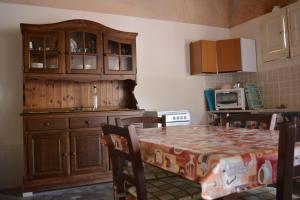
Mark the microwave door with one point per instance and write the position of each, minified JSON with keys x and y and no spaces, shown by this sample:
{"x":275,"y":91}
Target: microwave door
{"x":227,"y":98}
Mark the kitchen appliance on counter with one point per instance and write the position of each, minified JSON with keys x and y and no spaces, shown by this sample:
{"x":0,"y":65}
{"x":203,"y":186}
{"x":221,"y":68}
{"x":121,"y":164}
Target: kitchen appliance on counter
{"x":173,"y":118}
{"x":230,"y":99}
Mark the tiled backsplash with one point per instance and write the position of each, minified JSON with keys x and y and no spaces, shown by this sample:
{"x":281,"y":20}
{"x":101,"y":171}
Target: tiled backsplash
{"x":279,"y":86}
{"x":215,"y":81}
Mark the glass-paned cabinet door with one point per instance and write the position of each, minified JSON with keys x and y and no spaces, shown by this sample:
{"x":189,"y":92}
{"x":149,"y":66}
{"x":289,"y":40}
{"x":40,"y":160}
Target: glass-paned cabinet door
{"x":43,"y":52}
{"x":84,"y":52}
{"x":119,"y":56}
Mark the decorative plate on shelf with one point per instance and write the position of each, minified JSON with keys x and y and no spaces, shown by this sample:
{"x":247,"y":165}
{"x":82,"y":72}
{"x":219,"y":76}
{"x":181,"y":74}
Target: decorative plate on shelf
{"x":37,"y":65}
{"x":52,"y":66}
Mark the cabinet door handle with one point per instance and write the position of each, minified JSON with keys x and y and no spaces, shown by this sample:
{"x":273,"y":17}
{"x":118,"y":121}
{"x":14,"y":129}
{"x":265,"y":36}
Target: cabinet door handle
{"x":73,"y":154}
{"x":47,"y":124}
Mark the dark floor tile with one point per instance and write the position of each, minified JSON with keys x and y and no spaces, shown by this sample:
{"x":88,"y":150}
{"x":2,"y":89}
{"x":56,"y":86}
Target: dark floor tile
{"x":91,"y":192}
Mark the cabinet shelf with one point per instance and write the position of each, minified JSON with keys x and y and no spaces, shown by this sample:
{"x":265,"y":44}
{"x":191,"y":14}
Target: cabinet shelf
{"x":36,"y":52}
{"x":125,"y":55}
{"x":77,"y":77}
{"x":84,"y":54}
{"x":52,"y":52}
{"x":118,"y":55}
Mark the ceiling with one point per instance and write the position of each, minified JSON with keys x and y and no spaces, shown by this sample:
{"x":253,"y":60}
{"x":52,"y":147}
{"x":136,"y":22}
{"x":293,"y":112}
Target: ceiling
{"x":221,"y":13}
{"x":244,"y":10}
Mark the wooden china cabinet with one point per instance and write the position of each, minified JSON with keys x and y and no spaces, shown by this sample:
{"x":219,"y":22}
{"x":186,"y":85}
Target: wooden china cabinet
{"x":66,"y":65}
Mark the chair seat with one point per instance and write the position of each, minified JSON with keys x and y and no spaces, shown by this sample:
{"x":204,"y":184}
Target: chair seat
{"x":170,"y":188}
{"x":266,"y":193}
{"x":150,"y":172}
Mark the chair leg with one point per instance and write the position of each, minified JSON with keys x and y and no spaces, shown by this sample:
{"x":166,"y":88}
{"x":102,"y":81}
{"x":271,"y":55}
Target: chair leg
{"x":119,"y":191}
{"x":118,"y":181}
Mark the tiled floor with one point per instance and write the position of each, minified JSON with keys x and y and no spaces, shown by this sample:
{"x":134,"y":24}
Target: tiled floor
{"x":92,"y":192}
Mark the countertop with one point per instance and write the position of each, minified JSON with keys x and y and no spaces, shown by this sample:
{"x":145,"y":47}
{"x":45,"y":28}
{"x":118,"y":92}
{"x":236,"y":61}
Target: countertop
{"x":270,"y":110}
{"x":76,"y":110}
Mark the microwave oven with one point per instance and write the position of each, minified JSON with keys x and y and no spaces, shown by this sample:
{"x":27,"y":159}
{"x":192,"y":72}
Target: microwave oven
{"x":230,"y":99}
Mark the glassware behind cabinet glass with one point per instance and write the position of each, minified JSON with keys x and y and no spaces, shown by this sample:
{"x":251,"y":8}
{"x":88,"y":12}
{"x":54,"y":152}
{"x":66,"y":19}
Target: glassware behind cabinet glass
{"x":76,"y":42}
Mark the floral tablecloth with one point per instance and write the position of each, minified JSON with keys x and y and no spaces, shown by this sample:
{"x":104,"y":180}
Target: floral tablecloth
{"x":223,"y":160}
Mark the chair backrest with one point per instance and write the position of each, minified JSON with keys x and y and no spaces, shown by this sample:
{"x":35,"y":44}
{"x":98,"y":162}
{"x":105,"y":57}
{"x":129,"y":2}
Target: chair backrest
{"x":260,"y":119}
{"x":143,"y":120}
{"x":124,"y":147}
{"x":286,"y":171}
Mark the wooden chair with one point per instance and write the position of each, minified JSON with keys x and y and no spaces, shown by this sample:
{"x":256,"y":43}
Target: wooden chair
{"x":287,"y":173}
{"x":123,"y":145}
{"x":150,"y":171}
{"x":267,"y":120}
{"x":288,"y":184}
{"x":141,"y":120}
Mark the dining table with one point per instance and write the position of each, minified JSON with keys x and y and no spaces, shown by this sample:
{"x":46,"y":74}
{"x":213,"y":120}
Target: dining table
{"x":222,"y":160}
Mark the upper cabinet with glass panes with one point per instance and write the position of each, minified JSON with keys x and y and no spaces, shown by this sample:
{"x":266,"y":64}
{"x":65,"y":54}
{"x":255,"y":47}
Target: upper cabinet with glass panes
{"x":119,"y":55}
{"x":43,"y":52}
{"x":84,"y":51}
{"x":77,"y":47}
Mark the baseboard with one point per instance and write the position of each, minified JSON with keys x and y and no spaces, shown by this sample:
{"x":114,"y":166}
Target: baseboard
{"x":39,"y":185}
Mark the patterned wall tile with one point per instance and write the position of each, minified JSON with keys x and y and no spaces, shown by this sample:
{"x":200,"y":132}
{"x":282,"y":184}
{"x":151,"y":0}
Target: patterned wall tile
{"x":279,"y":86}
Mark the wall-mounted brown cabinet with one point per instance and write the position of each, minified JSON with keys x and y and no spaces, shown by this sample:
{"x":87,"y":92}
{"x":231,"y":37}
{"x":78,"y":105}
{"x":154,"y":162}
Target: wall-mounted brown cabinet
{"x":236,"y":55}
{"x":203,"y":57}
{"x":231,"y":55}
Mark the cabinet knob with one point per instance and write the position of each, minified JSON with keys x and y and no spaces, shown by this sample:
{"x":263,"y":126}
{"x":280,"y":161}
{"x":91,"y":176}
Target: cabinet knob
{"x":47,"y":124}
{"x":73,"y":154}
{"x":87,"y":122}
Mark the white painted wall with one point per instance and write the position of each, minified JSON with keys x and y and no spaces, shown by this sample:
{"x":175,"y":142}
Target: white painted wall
{"x":163,"y":70}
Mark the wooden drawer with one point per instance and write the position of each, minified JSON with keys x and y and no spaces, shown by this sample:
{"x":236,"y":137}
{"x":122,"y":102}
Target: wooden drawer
{"x":87,"y":122}
{"x":46,"y":124}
